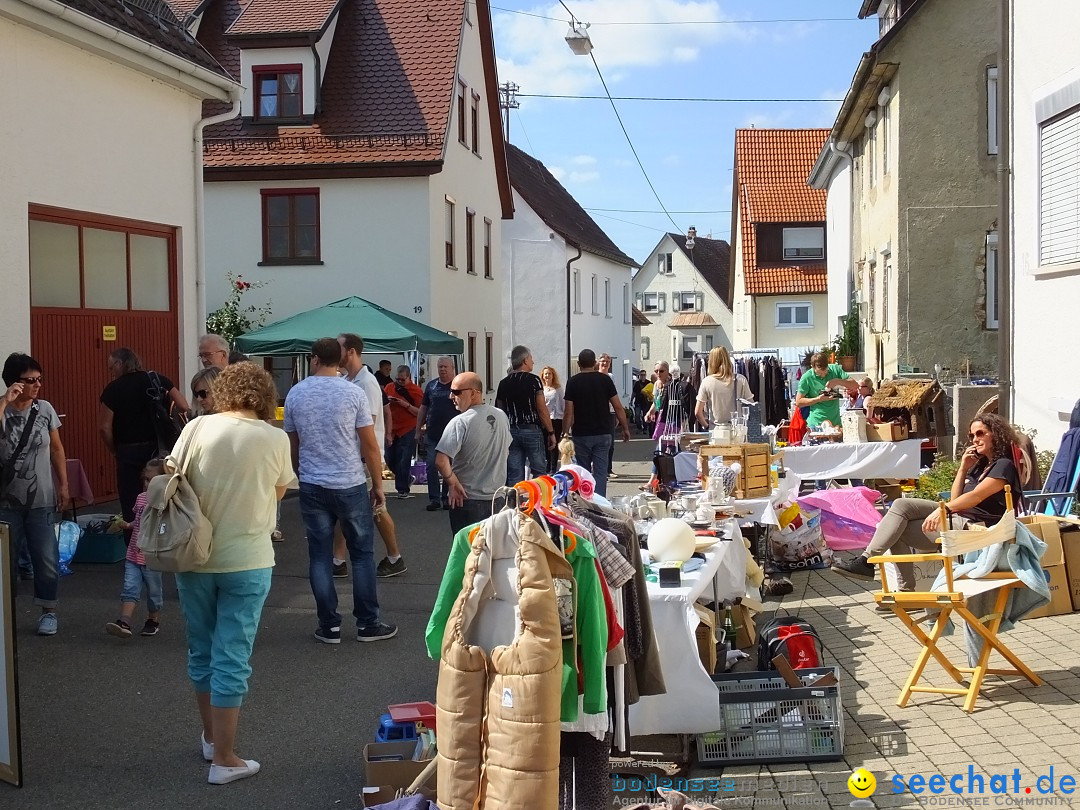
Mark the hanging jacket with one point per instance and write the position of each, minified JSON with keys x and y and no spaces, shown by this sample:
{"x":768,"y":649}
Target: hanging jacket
{"x":498,"y":713}
{"x":590,"y":618}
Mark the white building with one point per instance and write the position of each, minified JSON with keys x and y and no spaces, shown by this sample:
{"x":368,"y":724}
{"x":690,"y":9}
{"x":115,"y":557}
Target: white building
{"x":99,"y":198}
{"x":832,"y":173}
{"x":568,"y":284}
{"x":686,"y":294}
{"x":1044,"y":214}
{"x":367,"y":160}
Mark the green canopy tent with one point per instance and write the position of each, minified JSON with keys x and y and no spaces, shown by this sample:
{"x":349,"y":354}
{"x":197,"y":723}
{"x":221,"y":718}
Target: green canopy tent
{"x":383,"y":331}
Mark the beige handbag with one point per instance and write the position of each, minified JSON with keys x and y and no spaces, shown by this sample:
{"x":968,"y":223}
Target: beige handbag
{"x":174,"y":534}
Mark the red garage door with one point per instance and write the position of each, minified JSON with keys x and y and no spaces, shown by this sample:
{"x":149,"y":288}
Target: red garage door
{"x":98,"y":283}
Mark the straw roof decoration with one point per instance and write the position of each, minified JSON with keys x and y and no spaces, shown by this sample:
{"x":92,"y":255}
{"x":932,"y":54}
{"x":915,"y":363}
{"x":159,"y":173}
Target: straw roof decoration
{"x":907,"y":394}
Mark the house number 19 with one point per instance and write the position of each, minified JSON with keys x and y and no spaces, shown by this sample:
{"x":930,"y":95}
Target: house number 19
{"x":417,"y":310}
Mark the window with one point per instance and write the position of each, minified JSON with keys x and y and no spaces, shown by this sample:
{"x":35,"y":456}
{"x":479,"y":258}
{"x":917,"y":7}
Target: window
{"x":872,"y":272}
{"x":93,"y":262}
{"x":470,"y":241}
{"x":474,"y":122}
{"x":663,"y":264}
{"x":462,"y":128}
{"x":991,"y":280}
{"x":794,"y":315}
{"x":577,"y":292}
{"x":804,"y":243}
{"x":1059,"y":189}
{"x":290,"y":219}
{"x":278,"y":91}
{"x":687,"y":302}
{"x":886,"y":118}
{"x":644,"y":348}
{"x":450,"y":259}
{"x":708,"y":343}
{"x":992,"y":110}
{"x":871,"y":149}
{"x":627,"y":315}
{"x":652,"y":302}
{"x":607,"y":298}
{"x":487,"y":249}
{"x":688,"y":348}
{"x":593,"y":288}
{"x":472,"y":352}
{"x":886,"y":271}
{"x":489,"y":359}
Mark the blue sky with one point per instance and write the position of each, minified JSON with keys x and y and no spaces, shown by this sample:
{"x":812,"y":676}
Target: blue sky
{"x":686,"y":147}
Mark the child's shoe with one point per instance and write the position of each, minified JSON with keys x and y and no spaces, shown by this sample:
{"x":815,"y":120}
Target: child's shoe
{"x":150,"y":628}
{"x":120,"y":628}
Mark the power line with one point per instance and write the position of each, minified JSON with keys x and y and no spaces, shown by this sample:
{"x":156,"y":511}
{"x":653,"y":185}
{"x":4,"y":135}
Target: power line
{"x":683,"y":22}
{"x":697,"y":100}
{"x":627,"y":134}
{"x":638,"y":224}
{"x":645,"y":211}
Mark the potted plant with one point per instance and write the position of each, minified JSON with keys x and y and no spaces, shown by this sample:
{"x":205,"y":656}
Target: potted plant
{"x":846,"y":344}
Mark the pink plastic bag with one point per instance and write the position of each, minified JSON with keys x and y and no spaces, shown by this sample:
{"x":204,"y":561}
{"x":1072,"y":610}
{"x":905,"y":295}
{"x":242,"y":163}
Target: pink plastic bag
{"x":848,"y":516}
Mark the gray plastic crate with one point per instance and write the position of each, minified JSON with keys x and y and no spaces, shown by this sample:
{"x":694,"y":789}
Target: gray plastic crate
{"x":765,"y":720}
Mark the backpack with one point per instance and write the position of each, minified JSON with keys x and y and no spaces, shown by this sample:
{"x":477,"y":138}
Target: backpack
{"x":174,"y":535}
{"x":166,"y":427}
{"x":792,"y":637}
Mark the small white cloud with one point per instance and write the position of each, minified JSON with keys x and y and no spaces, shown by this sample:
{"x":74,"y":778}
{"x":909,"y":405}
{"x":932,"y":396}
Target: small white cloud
{"x":584,"y":177}
{"x":558,"y":172}
{"x":684,"y":54}
{"x":583,"y":160}
{"x":671,"y":160}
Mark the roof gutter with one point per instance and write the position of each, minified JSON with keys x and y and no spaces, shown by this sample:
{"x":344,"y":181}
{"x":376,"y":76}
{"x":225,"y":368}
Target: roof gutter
{"x":1005,"y":217}
{"x":105,"y":40}
{"x":200,"y":206}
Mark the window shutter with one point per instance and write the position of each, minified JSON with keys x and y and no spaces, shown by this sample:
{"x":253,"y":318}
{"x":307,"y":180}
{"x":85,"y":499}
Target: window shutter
{"x":639,"y":301}
{"x":699,"y":302}
{"x":661,"y":302}
{"x":1059,"y":193}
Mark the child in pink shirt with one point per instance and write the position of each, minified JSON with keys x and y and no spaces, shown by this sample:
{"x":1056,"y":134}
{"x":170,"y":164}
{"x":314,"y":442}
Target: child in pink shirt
{"x":136,"y":574}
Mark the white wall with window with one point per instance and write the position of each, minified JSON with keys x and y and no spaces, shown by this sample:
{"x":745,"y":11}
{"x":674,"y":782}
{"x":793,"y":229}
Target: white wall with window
{"x":669,"y":284}
{"x":790,"y":320}
{"x":1044,"y":231}
{"x":278,"y":83}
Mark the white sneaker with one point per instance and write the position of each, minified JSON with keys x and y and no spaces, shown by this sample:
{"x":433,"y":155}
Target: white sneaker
{"x":223,"y":774}
{"x":207,"y":748}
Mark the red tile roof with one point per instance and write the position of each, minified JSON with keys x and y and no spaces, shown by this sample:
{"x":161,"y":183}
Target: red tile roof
{"x":276,"y":17}
{"x":385,"y":98}
{"x":771,"y":167}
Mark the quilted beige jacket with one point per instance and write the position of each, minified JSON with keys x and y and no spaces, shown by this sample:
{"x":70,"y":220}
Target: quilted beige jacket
{"x":498,"y":714}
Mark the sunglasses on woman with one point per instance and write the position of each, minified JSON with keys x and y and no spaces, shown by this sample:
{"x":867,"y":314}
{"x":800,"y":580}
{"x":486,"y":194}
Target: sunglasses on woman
{"x":978,"y":434}
{"x":202,"y":394}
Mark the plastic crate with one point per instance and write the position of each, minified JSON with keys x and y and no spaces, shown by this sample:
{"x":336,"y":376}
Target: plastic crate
{"x":766,"y":721}
{"x":98,"y":547}
{"x":422,"y":712}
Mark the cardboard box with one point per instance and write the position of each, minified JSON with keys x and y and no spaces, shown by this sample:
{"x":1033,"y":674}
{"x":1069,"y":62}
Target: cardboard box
{"x":746,"y":627}
{"x":886,"y":432}
{"x":706,"y":637}
{"x":1070,"y":542}
{"x":1060,"y":597}
{"x":1049,"y":531}
{"x":396,"y":773}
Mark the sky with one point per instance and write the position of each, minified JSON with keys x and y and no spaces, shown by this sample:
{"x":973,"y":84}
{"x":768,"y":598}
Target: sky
{"x":672,"y":49}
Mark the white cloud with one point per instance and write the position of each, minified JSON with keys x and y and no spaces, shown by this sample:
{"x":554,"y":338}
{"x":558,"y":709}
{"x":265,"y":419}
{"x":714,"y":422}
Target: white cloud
{"x":583,"y":160}
{"x":558,"y":172}
{"x":671,"y":160}
{"x":584,"y":177}
{"x":533,"y":53}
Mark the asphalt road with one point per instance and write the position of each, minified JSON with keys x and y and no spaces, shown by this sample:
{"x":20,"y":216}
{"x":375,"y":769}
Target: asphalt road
{"x":111,"y":723}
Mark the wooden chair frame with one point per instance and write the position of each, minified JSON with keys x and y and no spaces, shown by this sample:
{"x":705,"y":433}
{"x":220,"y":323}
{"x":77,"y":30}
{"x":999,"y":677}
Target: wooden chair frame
{"x":953,"y":600}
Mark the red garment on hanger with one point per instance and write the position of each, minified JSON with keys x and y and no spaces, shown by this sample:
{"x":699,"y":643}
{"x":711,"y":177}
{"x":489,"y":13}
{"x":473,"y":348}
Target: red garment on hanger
{"x":797,"y":428}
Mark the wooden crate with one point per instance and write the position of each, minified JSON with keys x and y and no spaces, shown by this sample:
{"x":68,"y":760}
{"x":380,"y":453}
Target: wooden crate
{"x":753,"y":480}
{"x":886,"y":432}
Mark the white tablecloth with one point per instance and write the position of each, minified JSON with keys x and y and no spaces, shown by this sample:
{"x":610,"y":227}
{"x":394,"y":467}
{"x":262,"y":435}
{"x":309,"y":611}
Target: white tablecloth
{"x":691,"y":705}
{"x":857,"y":460}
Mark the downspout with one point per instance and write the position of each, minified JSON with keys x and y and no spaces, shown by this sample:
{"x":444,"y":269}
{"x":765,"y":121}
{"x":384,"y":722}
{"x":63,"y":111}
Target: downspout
{"x":836,"y":150}
{"x":1004,"y":257}
{"x":569,"y":315}
{"x":318,"y":75}
{"x":200,"y":205}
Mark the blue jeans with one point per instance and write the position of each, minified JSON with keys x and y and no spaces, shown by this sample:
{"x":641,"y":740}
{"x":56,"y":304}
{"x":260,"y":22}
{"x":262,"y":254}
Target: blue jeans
{"x":320,"y":509}
{"x":33,"y":528}
{"x":437,"y":489}
{"x":221,"y":613}
{"x":526,"y":444}
{"x":135,"y":576}
{"x":591,"y":452}
{"x":399,"y":459}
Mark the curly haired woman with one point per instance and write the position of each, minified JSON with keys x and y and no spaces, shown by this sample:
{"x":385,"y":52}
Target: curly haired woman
{"x":992,"y":459}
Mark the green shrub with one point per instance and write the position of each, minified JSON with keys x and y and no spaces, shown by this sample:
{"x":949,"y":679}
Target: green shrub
{"x":938,"y":478}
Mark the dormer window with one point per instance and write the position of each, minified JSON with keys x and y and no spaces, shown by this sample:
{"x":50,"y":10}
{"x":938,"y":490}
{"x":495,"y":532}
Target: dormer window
{"x":278,"y":91}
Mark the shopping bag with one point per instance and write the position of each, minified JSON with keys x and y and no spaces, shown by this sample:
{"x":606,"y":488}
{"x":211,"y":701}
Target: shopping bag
{"x":68,"y":534}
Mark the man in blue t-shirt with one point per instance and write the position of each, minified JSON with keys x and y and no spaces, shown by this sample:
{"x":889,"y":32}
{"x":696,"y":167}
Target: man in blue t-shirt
{"x":436,"y":411}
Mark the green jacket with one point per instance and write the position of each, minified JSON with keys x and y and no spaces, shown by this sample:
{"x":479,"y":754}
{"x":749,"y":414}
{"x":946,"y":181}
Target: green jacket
{"x":590,"y":616}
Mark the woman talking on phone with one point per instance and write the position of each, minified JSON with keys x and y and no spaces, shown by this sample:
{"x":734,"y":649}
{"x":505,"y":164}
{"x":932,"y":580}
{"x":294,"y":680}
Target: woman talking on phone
{"x":991,"y":460}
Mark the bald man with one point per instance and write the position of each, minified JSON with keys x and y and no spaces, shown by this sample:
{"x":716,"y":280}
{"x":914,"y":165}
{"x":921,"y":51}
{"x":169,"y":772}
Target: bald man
{"x":472,"y":453}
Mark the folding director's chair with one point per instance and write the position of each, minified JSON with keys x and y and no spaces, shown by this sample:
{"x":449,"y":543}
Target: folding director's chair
{"x":953,"y":603}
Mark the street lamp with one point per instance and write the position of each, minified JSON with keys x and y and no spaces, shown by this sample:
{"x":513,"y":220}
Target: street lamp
{"x":577,"y":37}
{"x":691,"y":232}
